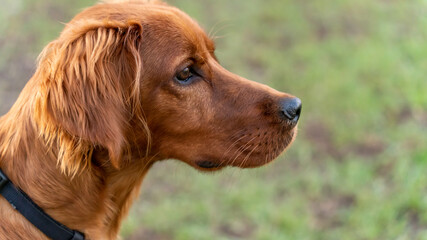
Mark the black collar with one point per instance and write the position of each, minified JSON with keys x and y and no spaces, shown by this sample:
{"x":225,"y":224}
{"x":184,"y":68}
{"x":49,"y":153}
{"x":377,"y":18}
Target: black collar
{"x":34,"y":214}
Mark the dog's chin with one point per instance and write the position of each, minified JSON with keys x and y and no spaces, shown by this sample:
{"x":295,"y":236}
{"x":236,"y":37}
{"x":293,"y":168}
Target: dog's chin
{"x":266,"y":155}
{"x":246,"y":159}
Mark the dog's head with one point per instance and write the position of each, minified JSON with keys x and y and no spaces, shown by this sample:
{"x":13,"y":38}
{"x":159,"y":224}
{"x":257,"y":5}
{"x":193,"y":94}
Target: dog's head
{"x":140,"y":79}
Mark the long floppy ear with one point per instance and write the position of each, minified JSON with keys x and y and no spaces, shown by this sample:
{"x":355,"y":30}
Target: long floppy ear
{"x":89,"y":77}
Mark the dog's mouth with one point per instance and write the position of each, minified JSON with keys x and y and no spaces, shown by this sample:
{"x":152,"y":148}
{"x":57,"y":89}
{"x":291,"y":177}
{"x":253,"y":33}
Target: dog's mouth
{"x":247,"y":154}
{"x":208,"y":165}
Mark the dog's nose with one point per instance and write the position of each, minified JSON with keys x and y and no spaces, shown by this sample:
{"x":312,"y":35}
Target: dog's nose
{"x":290,"y":109}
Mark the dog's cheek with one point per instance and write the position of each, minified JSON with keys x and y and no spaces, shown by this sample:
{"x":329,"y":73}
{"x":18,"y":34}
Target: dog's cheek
{"x":187,"y":108}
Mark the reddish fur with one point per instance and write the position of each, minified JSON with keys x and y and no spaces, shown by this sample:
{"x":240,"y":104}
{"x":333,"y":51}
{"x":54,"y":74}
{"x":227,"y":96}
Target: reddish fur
{"x":102,"y":107}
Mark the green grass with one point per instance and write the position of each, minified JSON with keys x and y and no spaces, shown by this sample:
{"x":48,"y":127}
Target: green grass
{"x":358,"y":167}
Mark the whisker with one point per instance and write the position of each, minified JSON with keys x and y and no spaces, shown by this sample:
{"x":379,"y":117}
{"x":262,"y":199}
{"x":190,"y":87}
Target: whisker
{"x":268,"y":156}
{"x":248,"y":155}
{"x":213,"y":32}
{"x":230,"y":147}
{"x":221,"y":36}
{"x":213,"y":28}
{"x":242,"y":149}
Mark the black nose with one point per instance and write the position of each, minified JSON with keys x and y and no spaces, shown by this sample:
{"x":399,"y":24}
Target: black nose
{"x":290,"y":109}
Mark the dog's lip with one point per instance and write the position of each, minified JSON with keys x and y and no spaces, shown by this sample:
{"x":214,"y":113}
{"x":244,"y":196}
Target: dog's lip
{"x":208,"y":164}
{"x":254,"y":158}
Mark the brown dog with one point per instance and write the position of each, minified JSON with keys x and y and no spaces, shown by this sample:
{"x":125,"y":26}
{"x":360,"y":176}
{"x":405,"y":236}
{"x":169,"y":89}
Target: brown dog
{"x":125,"y":85}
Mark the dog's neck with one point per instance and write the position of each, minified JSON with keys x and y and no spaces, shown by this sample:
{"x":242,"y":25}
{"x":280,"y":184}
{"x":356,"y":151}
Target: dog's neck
{"x":94,"y":201}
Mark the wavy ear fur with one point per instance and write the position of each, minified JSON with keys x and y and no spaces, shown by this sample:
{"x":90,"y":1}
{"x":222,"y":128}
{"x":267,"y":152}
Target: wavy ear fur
{"x":89,"y":82}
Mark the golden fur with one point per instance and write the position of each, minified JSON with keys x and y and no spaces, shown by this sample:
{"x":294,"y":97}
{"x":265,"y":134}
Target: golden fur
{"x":104,"y":105}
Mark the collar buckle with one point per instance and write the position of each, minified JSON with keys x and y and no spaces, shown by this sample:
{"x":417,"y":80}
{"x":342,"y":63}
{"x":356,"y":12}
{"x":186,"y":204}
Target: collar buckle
{"x":3,"y":180}
{"x":78,"y":236}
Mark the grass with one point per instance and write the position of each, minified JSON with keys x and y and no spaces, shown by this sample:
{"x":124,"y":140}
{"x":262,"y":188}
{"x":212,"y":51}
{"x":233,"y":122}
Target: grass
{"x":358,"y":167}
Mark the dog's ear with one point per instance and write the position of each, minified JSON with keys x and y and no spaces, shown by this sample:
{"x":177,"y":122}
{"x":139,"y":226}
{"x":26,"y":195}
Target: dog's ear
{"x":89,"y":77}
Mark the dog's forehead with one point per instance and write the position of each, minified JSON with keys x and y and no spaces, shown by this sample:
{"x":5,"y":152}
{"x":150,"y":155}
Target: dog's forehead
{"x":177,"y":24}
{"x":160,"y":19}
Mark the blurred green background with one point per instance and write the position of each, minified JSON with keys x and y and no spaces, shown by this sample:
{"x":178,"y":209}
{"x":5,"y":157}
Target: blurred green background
{"x":358,"y":169}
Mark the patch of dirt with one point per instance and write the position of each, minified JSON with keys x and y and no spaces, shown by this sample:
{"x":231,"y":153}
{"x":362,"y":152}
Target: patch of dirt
{"x":240,"y":229}
{"x":413,"y":219}
{"x":385,"y":170}
{"x":326,"y":211}
{"x":405,"y":114}
{"x":370,"y":146}
{"x":320,"y":136}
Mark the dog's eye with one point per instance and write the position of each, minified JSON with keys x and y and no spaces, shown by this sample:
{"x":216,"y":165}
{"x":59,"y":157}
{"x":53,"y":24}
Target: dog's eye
{"x":185,"y":75}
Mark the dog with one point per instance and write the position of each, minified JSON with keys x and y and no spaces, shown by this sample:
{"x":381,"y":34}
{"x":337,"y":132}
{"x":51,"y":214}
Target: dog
{"x":127,"y":84}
